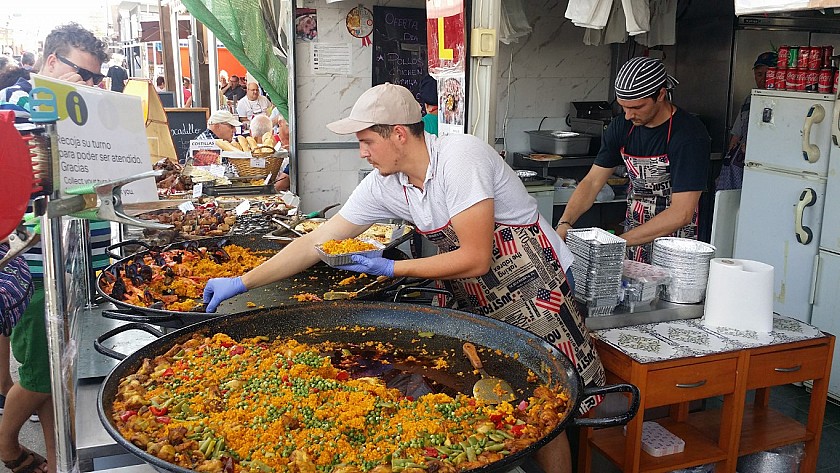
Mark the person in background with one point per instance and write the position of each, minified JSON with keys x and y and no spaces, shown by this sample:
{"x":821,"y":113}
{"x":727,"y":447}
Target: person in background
{"x":15,"y":293}
{"x":221,"y":124}
{"x":223,"y":79}
{"x":234,"y":91}
{"x":259,"y":126}
{"x":253,"y":103}
{"x":283,"y":182}
{"x":429,"y":97}
{"x":73,"y":54}
{"x":160,"y":84}
{"x":666,"y":151}
{"x":27,"y":60}
{"x":732,"y":172}
{"x":118,"y":76}
{"x":187,"y":86}
{"x":472,"y":205}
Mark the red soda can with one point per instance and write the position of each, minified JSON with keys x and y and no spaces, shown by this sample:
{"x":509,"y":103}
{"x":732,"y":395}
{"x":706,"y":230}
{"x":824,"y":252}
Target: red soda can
{"x":770,"y":78}
{"x":793,"y":57}
{"x":815,"y":58}
{"x":827,"y":52}
{"x":811,"y":81}
{"x":801,"y":75}
{"x":824,"y":80}
{"x":781,"y":81}
{"x":804,"y":57}
{"x":834,"y":87}
{"x":782,"y":58}
{"x":790,"y":79}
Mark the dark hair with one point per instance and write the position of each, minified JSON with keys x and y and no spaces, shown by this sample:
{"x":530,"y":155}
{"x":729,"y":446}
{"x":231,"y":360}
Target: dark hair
{"x":160,"y":81}
{"x":234,"y":76}
{"x":186,"y":79}
{"x":10,"y":76}
{"x":416,"y":129}
{"x":655,"y":95}
{"x":4,"y":61}
{"x":27,"y":58}
{"x":65,"y":37}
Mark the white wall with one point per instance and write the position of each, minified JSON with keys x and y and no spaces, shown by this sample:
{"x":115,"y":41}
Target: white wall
{"x":551,"y":68}
{"x":328,"y":176}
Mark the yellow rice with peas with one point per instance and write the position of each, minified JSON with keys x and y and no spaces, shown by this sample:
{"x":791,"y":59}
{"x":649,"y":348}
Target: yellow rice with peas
{"x":220,"y":405}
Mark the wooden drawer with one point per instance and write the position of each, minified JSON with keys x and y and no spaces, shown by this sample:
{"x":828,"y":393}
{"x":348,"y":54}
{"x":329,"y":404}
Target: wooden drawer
{"x":690,"y":382}
{"x":789,"y":366}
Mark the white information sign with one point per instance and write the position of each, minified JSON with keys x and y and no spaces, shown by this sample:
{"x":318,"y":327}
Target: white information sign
{"x":332,"y":58}
{"x":186,"y":206}
{"x":101,"y":137}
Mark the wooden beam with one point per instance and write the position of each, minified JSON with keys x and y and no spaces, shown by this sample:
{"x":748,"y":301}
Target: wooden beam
{"x":168,"y":50}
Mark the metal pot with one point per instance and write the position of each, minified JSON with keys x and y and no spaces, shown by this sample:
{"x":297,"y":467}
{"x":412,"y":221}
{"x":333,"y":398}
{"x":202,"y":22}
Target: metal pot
{"x":402,"y":323}
{"x":317,"y":279}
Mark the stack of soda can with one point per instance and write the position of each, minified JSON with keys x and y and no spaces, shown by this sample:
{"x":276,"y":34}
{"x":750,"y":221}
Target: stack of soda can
{"x":803,"y":69}
{"x":597,"y":268}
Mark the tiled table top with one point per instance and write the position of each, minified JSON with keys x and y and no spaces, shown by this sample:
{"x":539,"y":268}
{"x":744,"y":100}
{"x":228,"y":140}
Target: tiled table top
{"x":661,"y":341}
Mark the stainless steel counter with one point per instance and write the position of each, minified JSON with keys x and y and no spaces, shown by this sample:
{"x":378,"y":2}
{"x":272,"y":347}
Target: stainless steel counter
{"x":658,"y":311}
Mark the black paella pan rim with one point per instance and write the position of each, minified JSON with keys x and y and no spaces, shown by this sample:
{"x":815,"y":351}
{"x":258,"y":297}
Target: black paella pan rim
{"x":178,"y":319}
{"x":534,"y":354}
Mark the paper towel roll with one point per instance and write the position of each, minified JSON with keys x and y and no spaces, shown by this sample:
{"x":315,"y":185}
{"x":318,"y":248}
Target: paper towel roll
{"x":739,"y":295}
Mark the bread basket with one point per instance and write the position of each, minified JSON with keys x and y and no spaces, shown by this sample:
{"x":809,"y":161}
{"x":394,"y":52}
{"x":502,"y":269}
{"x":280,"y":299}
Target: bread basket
{"x":248,"y":167}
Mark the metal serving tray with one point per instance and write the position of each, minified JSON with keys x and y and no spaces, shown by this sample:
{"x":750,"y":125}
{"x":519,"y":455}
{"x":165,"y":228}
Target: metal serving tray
{"x":559,"y":142}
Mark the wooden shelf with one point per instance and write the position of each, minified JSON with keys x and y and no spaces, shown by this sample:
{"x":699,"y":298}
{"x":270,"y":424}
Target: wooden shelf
{"x":699,"y":448}
{"x":762,"y":428}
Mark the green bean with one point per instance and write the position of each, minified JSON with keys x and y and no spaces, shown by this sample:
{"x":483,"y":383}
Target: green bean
{"x":459,"y":458}
{"x":470,"y":454}
{"x":210,"y":448}
{"x":496,"y":437}
{"x":505,"y":434}
{"x":495,"y":447}
{"x":445,"y":450}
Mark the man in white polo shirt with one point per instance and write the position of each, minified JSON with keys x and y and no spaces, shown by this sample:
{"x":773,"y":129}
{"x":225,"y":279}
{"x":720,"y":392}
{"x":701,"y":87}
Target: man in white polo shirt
{"x":498,"y":256}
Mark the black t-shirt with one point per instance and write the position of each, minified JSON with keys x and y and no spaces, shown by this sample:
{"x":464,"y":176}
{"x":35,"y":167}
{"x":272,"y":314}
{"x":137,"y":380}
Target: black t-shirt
{"x":118,"y":77}
{"x":688,"y":150}
{"x":235,"y":94}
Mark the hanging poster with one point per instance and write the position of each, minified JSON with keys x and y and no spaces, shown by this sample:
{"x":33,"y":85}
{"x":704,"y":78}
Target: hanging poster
{"x":306,"y":24}
{"x":101,"y":137}
{"x":445,"y":27}
{"x":399,"y":46}
{"x":451,"y":93}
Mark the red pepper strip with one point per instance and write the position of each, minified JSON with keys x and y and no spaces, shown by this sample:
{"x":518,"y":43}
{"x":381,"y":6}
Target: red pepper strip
{"x":344,"y":376}
{"x":127,"y":415}
{"x":158,"y":411}
{"x":163,"y":419}
{"x":237,"y":350}
{"x":167,"y":372}
{"x":227,"y":344}
{"x":431,"y":452}
{"x":517,"y":430}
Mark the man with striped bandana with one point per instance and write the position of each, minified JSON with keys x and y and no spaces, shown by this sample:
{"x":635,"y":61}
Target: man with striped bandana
{"x":666,"y":151}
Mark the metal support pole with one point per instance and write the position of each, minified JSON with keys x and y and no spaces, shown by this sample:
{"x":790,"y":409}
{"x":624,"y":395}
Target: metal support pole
{"x":213,"y":65}
{"x":177,"y":87}
{"x":62,"y":369}
{"x":87,"y":256}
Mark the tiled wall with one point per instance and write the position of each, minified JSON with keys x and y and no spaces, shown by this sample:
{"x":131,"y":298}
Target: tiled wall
{"x":551,"y":68}
{"x":328,"y":176}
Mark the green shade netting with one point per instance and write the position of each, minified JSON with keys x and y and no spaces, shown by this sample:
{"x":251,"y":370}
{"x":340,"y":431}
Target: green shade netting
{"x":248,"y":29}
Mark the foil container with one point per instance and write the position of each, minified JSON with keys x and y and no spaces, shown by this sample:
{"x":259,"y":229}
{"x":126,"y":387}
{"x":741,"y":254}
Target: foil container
{"x":687,"y":261}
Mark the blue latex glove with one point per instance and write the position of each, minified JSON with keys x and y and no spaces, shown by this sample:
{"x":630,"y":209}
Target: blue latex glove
{"x":222,"y":289}
{"x":372,"y":266}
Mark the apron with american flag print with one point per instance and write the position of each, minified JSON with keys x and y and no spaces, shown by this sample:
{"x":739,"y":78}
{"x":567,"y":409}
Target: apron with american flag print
{"x":649,"y":194}
{"x":527,"y":287}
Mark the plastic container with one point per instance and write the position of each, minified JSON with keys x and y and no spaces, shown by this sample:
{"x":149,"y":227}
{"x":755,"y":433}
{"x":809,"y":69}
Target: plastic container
{"x":641,"y":283}
{"x":344,"y":258}
{"x":559,"y":142}
{"x":658,"y":441}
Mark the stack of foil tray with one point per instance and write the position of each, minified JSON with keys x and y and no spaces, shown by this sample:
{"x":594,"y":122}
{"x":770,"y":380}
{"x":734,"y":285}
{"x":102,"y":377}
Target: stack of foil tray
{"x":597,"y":268}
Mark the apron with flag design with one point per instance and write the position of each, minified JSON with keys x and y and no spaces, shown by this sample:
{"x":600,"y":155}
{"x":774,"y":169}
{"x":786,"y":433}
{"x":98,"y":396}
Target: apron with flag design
{"x":527,"y":287}
{"x":649,"y":194}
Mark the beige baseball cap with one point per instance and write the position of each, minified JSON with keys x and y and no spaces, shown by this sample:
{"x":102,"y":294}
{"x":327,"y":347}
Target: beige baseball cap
{"x":223,"y":116}
{"x":384,"y":104}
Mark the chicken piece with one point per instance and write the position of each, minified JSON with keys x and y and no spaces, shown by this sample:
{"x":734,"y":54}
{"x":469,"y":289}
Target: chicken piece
{"x":177,"y":435}
{"x":210,"y":466}
{"x":299,"y":462}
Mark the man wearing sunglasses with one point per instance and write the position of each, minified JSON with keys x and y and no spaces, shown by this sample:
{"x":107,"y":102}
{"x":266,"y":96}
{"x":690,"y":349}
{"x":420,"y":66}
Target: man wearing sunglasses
{"x":73,"y":54}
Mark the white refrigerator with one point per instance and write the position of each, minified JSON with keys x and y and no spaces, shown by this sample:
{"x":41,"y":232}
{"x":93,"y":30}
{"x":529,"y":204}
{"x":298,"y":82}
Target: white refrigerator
{"x":826,"y":307}
{"x":784,"y":192}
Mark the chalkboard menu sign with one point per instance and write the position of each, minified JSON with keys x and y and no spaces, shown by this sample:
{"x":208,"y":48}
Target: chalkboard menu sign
{"x":399,"y":46}
{"x":184,"y":125}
